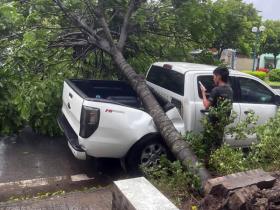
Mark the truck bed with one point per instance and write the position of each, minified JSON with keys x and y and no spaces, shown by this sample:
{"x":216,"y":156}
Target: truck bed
{"x":114,"y":91}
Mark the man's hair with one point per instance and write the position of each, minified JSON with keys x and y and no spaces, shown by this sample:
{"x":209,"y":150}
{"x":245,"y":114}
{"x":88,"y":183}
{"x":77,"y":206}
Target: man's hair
{"x":223,"y":72}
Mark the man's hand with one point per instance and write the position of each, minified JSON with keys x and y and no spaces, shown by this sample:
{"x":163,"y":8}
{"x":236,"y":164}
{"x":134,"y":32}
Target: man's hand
{"x":202,"y":88}
{"x":206,"y":103}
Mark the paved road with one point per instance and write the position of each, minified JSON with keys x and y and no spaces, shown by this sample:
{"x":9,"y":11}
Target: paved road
{"x":30,"y":156}
{"x":97,"y":200}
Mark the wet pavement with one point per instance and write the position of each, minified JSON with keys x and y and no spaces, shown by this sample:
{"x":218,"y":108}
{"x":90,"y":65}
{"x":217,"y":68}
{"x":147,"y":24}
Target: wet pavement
{"x":97,"y":200}
{"x":31,"y":156}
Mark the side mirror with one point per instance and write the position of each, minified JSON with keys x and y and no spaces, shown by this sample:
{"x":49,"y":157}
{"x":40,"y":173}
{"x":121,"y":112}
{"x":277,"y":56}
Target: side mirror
{"x":204,"y":111}
{"x":277,"y":100}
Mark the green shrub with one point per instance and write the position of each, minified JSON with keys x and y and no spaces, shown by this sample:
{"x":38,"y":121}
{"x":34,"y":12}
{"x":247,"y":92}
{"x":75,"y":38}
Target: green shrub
{"x":274,"y":75}
{"x":197,"y":144}
{"x":213,"y":132}
{"x":261,"y":75}
{"x":264,"y":154}
{"x":267,"y":151}
{"x":10,"y":121}
{"x":172,"y":179}
{"x":227,"y":160}
{"x":38,"y":101}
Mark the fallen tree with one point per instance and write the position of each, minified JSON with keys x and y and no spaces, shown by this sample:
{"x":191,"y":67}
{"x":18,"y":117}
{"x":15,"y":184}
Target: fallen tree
{"x":94,"y":32}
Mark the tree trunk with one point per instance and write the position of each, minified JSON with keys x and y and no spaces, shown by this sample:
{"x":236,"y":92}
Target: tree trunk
{"x":275,"y":61}
{"x":180,"y":148}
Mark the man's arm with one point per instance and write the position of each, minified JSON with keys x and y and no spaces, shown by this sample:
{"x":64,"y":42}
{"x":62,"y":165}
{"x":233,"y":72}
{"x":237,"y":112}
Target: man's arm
{"x":205,"y":101}
{"x":210,"y":101}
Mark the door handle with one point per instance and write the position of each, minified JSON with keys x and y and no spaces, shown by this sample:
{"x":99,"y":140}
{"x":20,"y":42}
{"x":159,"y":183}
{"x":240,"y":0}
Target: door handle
{"x":68,"y":105}
{"x":70,"y":95}
{"x":204,"y":111}
{"x":246,"y":112}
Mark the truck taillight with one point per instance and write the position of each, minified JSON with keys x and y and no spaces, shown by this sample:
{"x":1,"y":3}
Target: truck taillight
{"x":89,"y":121}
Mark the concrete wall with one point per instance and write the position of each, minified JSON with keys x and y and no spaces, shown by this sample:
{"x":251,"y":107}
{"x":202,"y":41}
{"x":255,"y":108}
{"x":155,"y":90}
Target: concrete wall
{"x":243,"y":63}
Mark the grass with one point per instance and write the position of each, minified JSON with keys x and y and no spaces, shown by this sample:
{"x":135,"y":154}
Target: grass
{"x":272,"y":83}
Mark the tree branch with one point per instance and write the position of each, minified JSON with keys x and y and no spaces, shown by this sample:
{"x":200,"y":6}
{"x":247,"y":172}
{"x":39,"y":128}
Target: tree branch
{"x":69,"y":44}
{"x":104,"y":25}
{"x":93,"y":38}
{"x":74,"y":19}
{"x":124,"y":31}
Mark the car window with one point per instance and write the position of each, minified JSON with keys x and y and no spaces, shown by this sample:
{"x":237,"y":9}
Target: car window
{"x":252,"y":91}
{"x":207,"y":81}
{"x":168,"y":79}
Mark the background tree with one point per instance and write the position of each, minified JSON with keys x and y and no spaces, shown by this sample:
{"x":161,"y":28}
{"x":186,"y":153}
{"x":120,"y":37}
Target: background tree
{"x":271,"y":39}
{"x":232,"y":22}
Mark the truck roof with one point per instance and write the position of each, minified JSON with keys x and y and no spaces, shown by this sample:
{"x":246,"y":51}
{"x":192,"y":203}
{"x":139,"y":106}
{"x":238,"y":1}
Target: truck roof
{"x":183,"y":67}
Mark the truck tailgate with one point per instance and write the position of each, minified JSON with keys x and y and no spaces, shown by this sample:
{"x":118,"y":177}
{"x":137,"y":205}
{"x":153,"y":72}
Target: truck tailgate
{"x":72,"y":106}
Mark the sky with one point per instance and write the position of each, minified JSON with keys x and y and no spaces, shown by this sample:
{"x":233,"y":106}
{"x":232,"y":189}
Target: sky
{"x":269,"y":8}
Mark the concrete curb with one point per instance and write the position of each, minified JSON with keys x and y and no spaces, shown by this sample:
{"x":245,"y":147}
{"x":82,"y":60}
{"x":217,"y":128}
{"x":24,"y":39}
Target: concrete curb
{"x":100,"y":199}
{"x":50,"y":184}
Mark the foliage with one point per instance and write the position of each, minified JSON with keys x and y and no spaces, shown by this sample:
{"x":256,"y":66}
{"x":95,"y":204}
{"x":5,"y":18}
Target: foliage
{"x":267,"y":151}
{"x":33,"y":72}
{"x":271,"y":38}
{"x":208,"y":145}
{"x":38,"y":102}
{"x":274,"y":75}
{"x":172,"y":178}
{"x":261,"y":75}
{"x":197,"y":144}
{"x":232,"y":21}
{"x":214,"y":124}
{"x":214,"y":127}
{"x":245,"y":127}
{"x":263,"y":154}
{"x":10,"y":120}
{"x":226,"y":160}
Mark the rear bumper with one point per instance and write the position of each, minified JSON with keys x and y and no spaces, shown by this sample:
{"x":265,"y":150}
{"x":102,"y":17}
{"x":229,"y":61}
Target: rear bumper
{"x":72,"y":137}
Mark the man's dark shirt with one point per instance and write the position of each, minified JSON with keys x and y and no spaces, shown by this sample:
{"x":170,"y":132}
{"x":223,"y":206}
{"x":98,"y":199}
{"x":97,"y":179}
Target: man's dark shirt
{"x":220,"y":93}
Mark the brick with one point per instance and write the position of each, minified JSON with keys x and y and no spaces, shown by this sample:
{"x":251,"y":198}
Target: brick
{"x":222,"y":185}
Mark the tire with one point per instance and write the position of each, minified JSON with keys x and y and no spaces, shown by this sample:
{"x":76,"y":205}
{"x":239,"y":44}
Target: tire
{"x":146,"y":152}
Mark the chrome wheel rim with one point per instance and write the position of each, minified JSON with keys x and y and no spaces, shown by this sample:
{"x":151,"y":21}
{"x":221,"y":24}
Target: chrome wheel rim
{"x":151,"y":154}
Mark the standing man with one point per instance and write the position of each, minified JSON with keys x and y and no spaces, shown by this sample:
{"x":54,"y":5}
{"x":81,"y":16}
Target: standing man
{"x":221,"y":91}
{"x":221,"y":98}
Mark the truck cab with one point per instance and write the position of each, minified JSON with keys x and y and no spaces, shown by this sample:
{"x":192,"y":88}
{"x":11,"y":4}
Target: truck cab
{"x":178,"y":82}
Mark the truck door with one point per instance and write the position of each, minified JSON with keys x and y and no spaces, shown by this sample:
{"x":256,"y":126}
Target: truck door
{"x":252,"y":95}
{"x":207,"y":81}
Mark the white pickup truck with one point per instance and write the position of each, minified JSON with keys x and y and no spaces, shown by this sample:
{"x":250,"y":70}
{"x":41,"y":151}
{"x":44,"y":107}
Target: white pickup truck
{"x":106,"y":119}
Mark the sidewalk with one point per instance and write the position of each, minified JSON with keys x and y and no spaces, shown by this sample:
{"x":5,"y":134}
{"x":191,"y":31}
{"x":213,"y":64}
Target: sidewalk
{"x":92,"y":199}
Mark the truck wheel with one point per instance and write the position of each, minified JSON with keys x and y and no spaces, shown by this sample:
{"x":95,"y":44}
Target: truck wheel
{"x":146,"y":152}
